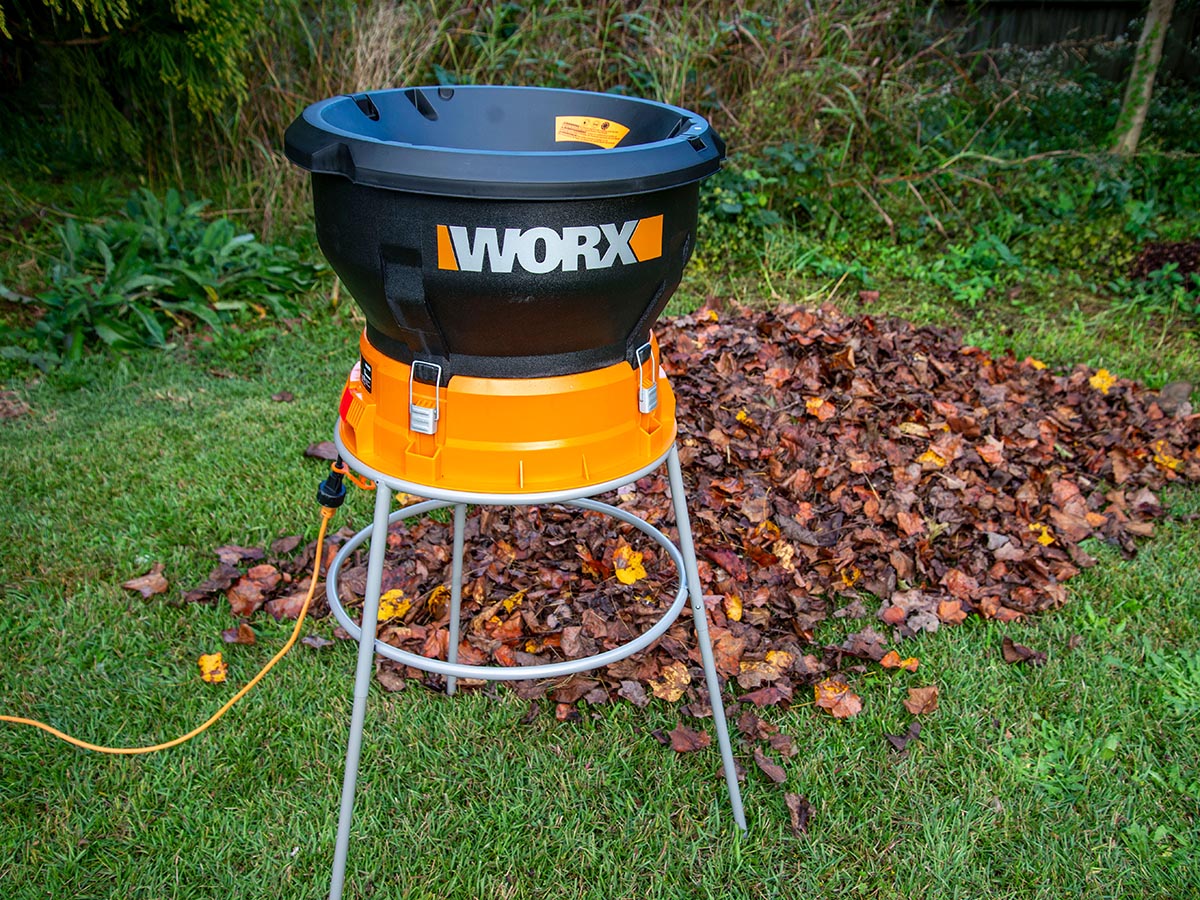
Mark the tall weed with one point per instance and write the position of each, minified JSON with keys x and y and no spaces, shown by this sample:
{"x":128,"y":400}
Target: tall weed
{"x":835,"y":75}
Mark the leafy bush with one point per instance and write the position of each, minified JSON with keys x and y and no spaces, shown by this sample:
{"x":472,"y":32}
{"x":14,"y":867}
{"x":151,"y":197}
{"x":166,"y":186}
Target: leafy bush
{"x":120,"y":73}
{"x":127,"y":282}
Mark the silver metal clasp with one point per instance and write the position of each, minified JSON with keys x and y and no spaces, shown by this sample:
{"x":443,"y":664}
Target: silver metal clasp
{"x":647,"y":396}
{"x":423,"y":419}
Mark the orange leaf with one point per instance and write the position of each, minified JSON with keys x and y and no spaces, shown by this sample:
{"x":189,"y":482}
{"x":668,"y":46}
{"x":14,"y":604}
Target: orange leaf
{"x":733,"y":608}
{"x":245,"y":597}
{"x":835,"y":695}
{"x":951,"y":612}
{"x":822,"y":409}
{"x":438,"y":601}
{"x":892,"y":660}
{"x":212,"y":668}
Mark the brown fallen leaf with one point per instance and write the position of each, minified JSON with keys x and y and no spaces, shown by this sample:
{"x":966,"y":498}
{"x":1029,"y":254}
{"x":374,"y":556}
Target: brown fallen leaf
{"x":1019,"y":653}
{"x":232,"y":554}
{"x":220,"y":579}
{"x":316,"y":642}
{"x":149,"y":584}
{"x":729,"y":561}
{"x":633,"y":692}
{"x":922,"y":700}
{"x":390,"y":676}
{"x":685,"y":740}
{"x":566,"y":712}
{"x":784,"y":745}
{"x":754,"y":673}
{"x":245,"y":597}
{"x":771,"y":695}
{"x":283,"y":397}
{"x":951,"y":612}
{"x":835,"y":695}
{"x":323,"y":450}
{"x":266,"y":576}
{"x":242,"y":634}
{"x":288,"y":606}
{"x":574,"y":688}
{"x":286,"y":545}
{"x":11,"y":405}
{"x":900,"y":741}
{"x":769,"y":767}
{"x":534,"y":710}
{"x":754,"y":727}
{"x":799,"y":811}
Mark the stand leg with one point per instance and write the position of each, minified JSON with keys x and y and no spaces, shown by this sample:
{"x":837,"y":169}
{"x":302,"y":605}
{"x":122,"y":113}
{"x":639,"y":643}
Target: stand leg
{"x":688,"y":549}
{"x":362,"y":681}
{"x":456,"y":577}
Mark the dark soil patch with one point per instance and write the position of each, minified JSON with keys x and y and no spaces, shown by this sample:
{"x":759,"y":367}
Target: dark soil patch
{"x":1155,"y":256}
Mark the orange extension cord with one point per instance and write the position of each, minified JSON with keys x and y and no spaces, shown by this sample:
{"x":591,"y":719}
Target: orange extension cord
{"x":326,"y":515}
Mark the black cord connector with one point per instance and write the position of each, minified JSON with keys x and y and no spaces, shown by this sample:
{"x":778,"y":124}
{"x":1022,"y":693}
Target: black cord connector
{"x":332,"y":492}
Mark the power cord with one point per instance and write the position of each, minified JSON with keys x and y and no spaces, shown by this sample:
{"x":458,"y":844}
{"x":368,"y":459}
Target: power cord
{"x":331,"y":494}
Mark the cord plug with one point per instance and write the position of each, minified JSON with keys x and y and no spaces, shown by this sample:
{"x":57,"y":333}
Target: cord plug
{"x":332,"y":492}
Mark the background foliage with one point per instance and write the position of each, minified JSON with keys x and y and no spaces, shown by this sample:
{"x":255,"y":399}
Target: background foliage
{"x":123,"y":73}
{"x":868,"y":151}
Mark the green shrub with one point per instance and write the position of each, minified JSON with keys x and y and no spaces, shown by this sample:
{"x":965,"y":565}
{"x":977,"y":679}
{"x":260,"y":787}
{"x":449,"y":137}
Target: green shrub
{"x":121,"y":73}
{"x":127,"y":282}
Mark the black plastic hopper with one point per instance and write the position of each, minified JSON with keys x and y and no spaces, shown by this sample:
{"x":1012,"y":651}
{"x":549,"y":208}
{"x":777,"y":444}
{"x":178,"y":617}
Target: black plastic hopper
{"x":505,"y":231}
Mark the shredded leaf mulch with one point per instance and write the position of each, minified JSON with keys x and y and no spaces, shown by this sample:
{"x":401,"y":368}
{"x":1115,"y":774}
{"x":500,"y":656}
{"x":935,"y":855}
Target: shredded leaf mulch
{"x":835,"y":466}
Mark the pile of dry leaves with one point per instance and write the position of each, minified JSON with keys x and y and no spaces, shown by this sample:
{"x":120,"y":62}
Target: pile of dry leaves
{"x":835,"y":466}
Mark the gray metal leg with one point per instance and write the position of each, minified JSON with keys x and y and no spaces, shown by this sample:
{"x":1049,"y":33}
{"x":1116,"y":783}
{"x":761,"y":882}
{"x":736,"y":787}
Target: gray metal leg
{"x":460,"y":522}
{"x":688,"y":549}
{"x":362,"y":681}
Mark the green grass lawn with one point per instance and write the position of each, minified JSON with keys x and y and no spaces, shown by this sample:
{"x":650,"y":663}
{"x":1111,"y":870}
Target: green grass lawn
{"x":1079,"y":778}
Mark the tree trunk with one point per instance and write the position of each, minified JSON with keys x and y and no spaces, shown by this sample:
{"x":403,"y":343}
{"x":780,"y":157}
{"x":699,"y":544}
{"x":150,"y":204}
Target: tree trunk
{"x":1141,"y":80}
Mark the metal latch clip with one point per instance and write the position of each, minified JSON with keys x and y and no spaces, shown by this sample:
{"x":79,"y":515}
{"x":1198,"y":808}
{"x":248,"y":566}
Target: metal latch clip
{"x":423,"y":419}
{"x":647,"y":395}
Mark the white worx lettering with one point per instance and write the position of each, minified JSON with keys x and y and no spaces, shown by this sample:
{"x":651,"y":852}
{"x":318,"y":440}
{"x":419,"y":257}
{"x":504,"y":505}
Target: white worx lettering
{"x":540,"y":250}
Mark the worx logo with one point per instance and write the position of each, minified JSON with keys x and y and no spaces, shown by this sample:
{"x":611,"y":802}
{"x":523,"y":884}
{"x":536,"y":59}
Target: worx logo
{"x":540,"y":250}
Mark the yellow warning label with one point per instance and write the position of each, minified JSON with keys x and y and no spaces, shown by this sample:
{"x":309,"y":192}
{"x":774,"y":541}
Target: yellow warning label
{"x":589,"y":130}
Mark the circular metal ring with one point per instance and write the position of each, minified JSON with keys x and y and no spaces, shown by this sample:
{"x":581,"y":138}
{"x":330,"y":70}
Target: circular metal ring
{"x":512,"y":673}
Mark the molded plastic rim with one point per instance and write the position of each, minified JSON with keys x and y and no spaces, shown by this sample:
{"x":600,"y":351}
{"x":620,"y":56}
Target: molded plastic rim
{"x":316,"y":142}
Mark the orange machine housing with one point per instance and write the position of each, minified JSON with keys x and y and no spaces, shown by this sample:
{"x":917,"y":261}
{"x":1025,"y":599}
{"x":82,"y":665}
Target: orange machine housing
{"x":508,"y":435}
